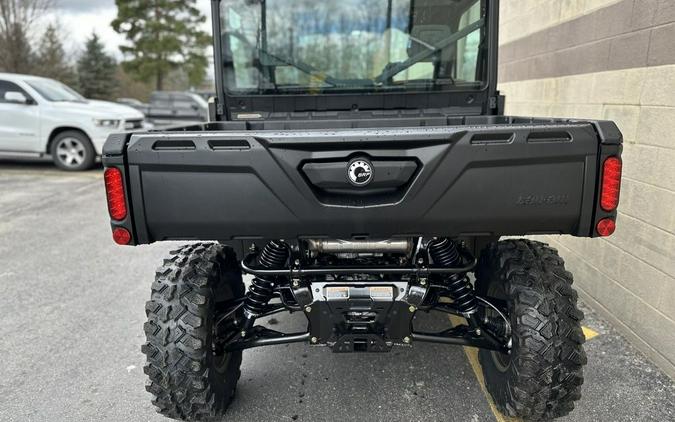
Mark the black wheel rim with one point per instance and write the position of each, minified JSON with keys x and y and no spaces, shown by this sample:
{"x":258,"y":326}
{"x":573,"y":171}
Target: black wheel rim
{"x":221,"y":362}
{"x":225,"y":328}
{"x":502,"y":361}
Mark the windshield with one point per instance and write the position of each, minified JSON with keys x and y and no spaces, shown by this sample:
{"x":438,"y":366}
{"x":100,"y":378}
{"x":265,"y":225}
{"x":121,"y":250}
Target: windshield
{"x":55,"y":91}
{"x":276,"y":46}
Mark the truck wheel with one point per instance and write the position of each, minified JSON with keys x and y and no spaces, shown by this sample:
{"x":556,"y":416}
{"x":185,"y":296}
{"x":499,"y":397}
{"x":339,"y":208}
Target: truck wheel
{"x":71,"y":150}
{"x":541,"y":378}
{"x":189,"y":377}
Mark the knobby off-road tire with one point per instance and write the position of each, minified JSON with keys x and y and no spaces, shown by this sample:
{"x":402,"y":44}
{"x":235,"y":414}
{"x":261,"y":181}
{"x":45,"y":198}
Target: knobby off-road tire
{"x":188,"y":381}
{"x":542,"y":377}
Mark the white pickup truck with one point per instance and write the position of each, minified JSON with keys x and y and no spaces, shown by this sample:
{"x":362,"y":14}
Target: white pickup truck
{"x":44,"y":117}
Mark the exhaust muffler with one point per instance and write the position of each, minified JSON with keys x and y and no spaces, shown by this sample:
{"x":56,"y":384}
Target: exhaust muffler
{"x":339,"y":246}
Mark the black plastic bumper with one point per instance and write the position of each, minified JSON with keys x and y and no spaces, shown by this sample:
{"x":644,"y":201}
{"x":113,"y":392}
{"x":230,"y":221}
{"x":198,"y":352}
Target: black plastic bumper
{"x":469,"y":180}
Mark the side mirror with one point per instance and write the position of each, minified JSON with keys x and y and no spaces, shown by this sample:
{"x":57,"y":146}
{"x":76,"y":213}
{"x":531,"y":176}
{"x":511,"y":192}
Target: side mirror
{"x":16,"y":97}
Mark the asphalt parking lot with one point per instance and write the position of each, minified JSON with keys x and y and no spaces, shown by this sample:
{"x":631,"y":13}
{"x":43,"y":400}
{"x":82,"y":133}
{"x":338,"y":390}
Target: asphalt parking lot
{"x":72,"y":318}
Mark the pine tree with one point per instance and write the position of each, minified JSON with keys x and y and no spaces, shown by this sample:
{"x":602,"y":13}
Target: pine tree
{"x":96,"y":71}
{"x":51,"y":58}
{"x":163,"y":35}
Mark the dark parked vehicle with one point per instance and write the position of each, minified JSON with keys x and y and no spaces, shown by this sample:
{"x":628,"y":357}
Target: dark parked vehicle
{"x":165,"y":105}
{"x":133,"y":102}
{"x":360,"y":167}
{"x":171,"y":107}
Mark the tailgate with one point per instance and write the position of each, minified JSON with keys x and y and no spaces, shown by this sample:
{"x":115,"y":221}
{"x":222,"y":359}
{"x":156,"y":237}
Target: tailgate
{"x":436,"y":181}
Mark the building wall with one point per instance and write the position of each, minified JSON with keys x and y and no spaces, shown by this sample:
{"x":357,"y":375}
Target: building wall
{"x":614,"y":60}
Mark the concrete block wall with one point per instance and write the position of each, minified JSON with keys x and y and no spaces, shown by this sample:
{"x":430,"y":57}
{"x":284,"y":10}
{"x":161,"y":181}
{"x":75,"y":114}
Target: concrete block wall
{"x":608,"y":59}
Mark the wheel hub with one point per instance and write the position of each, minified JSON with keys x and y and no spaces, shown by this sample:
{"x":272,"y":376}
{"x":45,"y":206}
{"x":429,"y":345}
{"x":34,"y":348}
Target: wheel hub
{"x":70,"y":151}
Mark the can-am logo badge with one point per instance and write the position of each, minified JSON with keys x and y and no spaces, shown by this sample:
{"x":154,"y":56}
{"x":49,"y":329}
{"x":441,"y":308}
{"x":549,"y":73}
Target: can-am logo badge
{"x":360,"y":172}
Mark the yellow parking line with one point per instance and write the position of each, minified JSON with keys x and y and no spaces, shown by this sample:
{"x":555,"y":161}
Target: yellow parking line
{"x":472,"y":357}
{"x":588,"y":333}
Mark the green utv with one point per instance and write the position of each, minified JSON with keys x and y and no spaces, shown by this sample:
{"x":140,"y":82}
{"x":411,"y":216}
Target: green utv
{"x":358,"y":165}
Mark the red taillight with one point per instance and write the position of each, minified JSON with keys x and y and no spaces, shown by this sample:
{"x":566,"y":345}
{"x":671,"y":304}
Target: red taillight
{"x":606,"y":227}
{"x":114,"y":189}
{"x":121,"y":236}
{"x":611,"y":184}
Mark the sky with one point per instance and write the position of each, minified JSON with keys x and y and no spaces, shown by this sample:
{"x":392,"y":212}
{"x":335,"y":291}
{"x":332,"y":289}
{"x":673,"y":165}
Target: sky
{"x":79,"y":18}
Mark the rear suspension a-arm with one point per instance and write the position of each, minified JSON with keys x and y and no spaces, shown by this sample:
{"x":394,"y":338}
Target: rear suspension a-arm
{"x":261,"y":336}
{"x":462,"y":335}
{"x":449,"y":274}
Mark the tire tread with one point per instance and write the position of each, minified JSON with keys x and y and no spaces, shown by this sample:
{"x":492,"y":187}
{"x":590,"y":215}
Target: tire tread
{"x":178,"y":337}
{"x":548,"y":356}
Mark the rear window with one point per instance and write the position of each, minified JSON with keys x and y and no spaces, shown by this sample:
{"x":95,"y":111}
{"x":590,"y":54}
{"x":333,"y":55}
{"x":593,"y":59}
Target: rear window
{"x":277,"y":46}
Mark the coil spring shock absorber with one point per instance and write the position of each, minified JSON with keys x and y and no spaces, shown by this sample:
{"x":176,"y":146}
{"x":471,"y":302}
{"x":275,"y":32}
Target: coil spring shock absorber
{"x":445,"y":254}
{"x":273,"y":256}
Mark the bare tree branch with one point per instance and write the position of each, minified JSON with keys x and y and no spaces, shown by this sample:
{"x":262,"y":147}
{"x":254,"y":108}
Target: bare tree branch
{"x":23,"y":12}
{"x":17,"y":24}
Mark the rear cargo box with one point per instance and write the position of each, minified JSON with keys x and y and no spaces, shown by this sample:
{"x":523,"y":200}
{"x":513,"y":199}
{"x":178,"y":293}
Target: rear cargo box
{"x":524,"y":177}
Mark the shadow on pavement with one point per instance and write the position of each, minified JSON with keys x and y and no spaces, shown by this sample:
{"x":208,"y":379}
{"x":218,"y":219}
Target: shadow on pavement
{"x":38,"y":165}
